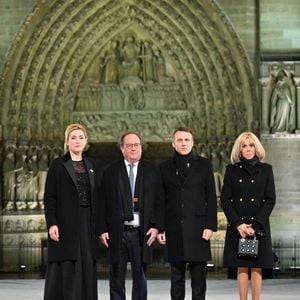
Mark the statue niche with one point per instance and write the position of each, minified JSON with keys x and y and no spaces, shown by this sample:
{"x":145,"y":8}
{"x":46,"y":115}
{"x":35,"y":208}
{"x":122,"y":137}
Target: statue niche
{"x":283,"y":103}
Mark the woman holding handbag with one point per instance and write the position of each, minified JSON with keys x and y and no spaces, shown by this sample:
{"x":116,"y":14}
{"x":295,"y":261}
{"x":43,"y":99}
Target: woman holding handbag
{"x":248,"y":198}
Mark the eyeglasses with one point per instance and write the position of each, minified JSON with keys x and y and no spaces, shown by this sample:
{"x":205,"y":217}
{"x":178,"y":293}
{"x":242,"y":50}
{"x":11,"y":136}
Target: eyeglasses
{"x":135,"y":145}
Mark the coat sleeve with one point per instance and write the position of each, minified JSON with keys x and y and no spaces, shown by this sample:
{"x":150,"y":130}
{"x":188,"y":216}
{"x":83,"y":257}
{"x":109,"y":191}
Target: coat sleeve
{"x":159,"y":206}
{"x":226,"y":200}
{"x":162,"y":199}
{"x":211,"y":200}
{"x":102,"y":204}
{"x":50,"y":195}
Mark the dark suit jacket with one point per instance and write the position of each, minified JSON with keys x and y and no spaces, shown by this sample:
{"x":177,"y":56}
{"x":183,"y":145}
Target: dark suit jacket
{"x":111,"y":212}
{"x":190,"y":207}
{"x":62,"y":208}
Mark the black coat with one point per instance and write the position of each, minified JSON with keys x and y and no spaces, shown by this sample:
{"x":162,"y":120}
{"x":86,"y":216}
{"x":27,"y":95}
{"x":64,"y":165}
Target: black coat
{"x":190,"y":207}
{"x":248,"y":196}
{"x":62,"y":208}
{"x":111,"y":194}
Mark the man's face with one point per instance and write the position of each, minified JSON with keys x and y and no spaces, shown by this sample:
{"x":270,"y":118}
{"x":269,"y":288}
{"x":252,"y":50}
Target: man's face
{"x":183,"y":142}
{"x":131,"y":148}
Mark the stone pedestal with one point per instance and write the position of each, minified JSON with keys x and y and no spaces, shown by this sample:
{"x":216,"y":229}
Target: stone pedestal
{"x":21,"y":242}
{"x":283,"y":153}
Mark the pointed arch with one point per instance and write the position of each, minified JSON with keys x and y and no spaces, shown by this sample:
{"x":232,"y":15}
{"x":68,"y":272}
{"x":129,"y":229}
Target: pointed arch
{"x":59,"y":40}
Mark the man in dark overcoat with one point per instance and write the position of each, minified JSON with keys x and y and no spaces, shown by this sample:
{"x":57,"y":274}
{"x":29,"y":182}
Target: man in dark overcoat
{"x":190,"y":214}
{"x":130,"y":219}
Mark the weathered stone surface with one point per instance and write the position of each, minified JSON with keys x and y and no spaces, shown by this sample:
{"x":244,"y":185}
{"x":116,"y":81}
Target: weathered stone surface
{"x":282,"y":152}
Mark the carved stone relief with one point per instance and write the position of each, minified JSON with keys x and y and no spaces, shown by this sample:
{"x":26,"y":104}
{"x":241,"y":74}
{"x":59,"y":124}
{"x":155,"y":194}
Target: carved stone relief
{"x":21,"y":237}
{"x":280,"y":99}
{"x":148,"y":66}
{"x":115,"y":55}
{"x":24,"y":173}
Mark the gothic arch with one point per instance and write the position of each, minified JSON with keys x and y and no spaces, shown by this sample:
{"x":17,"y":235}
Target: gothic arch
{"x":60,"y":41}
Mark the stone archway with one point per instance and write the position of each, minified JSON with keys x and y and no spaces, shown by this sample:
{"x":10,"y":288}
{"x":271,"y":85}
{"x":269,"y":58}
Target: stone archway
{"x":62,"y":42}
{"x":114,"y":65}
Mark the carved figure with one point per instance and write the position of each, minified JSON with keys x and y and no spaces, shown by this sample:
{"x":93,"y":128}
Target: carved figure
{"x":9,"y":181}
{"x":147,"y":57}
{"x":8,"y":226}
{"x":42,"y":174}
{"x":111,"y":64}
{"x":32,"y":182}
{"x":131,"y":65}
{"x":21,"y":182}
{"x":282,"y":104}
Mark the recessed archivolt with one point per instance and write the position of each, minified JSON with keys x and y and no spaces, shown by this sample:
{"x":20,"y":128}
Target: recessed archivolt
{"x":40,"y":87}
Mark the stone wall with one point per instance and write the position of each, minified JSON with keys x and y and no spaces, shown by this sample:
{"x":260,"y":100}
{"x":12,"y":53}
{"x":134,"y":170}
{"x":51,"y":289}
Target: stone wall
{"x":242,"y":16}
{"x":282,"y":152}
{"x":279,"y":25}
{"x":12,"y":14}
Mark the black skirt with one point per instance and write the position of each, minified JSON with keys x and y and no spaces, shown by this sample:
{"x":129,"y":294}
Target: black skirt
{"x":74,"y":280}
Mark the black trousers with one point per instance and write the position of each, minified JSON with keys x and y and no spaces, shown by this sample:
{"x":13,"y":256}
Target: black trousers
{"x":131,"y":251}
{"x":198,"y":279}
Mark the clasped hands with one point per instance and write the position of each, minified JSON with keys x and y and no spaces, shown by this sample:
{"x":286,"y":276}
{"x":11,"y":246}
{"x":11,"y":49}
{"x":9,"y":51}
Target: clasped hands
{"x":245,"y":230}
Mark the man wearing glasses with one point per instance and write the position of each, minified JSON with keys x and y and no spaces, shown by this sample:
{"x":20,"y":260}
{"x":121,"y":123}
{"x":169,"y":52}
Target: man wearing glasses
{"x":190,"y":214}
{"x":131,"y":216}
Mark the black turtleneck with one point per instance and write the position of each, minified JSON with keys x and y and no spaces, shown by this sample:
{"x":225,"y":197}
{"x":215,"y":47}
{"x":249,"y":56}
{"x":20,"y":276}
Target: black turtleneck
{"x":251,"y":162}
{"x":250,"y":165}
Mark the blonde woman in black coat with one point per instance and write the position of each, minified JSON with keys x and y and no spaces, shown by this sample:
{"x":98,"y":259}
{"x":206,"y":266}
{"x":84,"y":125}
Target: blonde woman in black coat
{"x":248,"y":198}
{"x":69,"y":211}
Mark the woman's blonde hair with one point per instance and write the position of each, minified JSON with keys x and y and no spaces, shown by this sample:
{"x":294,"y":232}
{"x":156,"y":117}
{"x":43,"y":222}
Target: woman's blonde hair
{"x":237,"y":147}
{"x":71,"y":128}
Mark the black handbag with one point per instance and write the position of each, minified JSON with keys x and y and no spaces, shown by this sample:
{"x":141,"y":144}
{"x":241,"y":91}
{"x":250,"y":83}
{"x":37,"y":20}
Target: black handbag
{"x":248,"y":247}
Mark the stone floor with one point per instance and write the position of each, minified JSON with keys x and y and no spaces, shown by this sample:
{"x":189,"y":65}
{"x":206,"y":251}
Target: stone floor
{"x":225,"y":289}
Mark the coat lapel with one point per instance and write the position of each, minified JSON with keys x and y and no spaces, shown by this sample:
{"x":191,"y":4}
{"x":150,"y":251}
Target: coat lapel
{"x":124,"y":191}
{"x":139,"y":186}
{"x":68,"y":165}
{"x":70,"y":169}
{"x":90,"y":172}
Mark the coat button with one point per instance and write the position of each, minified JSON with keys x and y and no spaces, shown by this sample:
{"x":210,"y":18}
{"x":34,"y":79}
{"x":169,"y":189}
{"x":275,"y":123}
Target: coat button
{"x":241,"y":180}
{"x":231,"y":200}
{"x":241,"y":199}
{"x":252,"y":180}
{"x":252,"y":218}
{"x":241,"y":167}
{"x":252,"y":199}
{"x":242,"y":218}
